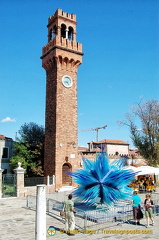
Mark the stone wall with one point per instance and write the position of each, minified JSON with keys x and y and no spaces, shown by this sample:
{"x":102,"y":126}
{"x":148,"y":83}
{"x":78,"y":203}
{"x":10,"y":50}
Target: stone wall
{"x":21,"y":190}
{"x":32,"y":190}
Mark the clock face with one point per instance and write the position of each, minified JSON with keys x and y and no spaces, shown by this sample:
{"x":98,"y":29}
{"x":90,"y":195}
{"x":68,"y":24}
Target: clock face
{"x":67,"y":81}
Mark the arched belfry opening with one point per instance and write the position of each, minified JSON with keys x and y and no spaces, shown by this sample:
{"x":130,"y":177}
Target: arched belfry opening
{"x":52,"y":33}
{"x":63,"y":30}
{"x":70,"y":33}
{"x":66,"y":179}
{"x":66,"y":32}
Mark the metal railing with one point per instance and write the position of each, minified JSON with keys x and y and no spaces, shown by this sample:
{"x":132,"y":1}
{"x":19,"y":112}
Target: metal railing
{"x":9,"y":185}
{"x":120,"y":212}
{"x":33,"y":181}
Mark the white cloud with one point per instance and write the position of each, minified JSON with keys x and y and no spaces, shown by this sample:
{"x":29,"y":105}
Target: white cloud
{"x":7,"y":119}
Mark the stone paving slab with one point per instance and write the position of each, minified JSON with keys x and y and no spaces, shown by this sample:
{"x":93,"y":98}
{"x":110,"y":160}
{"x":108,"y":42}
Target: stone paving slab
{"x":17,"y":223}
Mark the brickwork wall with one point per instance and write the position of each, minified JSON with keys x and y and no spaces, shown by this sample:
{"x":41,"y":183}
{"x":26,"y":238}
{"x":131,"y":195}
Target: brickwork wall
{"x":50,"y":122}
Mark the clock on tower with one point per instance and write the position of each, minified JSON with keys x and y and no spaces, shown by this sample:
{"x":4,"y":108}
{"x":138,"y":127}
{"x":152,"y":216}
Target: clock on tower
{"x":67,"y":81}
{"x":61,"y":57}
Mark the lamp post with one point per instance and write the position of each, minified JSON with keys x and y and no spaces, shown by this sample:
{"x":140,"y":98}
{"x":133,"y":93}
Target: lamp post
{"x":72,"y":143}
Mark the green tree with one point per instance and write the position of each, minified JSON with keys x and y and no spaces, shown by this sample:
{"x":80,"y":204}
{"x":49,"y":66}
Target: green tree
{"x":22,"y":154}
{"x":29,"y":149}
{"x":31,"y":133}
{"x":145,"y":137}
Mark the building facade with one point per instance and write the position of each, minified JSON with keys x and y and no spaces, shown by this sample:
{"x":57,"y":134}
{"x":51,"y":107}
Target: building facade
{"x":61,"y":57}
{"x":6,"y":152}
{"x":112,"y":147}
{"x":115,"y":149}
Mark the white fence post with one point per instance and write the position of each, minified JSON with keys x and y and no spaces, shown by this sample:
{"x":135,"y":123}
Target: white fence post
{"x":53,"y":179}
{"x":40,"y":224}
{"x":48,"y":180}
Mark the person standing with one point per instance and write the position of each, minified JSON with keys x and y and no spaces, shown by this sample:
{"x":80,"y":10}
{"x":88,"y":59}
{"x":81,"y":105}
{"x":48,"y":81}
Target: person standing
{"x":136,"y":200}
{"x":148,"y":203}
{"x":69,"y":215}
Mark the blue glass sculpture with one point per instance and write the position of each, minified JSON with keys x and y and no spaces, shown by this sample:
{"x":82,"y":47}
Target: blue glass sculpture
{"x":100,"y":179}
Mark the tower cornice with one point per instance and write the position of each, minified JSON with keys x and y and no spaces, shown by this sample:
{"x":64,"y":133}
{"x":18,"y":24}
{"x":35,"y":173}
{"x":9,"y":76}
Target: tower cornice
{"x":63,"y":44}
{"x":61,"y":48}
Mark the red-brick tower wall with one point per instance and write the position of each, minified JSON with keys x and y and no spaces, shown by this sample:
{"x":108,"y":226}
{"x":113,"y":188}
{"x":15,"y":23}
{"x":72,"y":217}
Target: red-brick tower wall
{"x":61,"y":57}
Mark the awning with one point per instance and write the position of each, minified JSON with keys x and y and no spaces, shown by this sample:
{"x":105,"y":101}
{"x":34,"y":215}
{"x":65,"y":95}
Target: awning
{"x":147,"y":170}
{"x":143,"y":170}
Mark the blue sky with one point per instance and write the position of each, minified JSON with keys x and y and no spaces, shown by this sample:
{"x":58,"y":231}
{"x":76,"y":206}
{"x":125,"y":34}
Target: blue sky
{"x":120,"y":64}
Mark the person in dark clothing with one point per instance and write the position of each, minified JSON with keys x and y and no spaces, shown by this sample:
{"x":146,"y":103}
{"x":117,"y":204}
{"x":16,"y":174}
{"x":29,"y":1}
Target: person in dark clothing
{"x":136,"y":200}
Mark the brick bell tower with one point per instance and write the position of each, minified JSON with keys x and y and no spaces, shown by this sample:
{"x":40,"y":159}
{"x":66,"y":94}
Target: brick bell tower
{"x":61,"y":57}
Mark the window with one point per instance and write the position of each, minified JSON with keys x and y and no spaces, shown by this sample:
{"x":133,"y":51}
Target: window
{"x":5,"y":152}
{"x":116,"y":153}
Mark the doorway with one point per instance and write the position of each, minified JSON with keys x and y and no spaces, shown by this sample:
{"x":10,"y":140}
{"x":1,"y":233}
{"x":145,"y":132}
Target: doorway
{"x":66,"y":179}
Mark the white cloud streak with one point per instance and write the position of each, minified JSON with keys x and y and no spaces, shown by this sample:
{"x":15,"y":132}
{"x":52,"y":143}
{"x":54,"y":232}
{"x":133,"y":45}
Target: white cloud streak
{"x":7,"y":119}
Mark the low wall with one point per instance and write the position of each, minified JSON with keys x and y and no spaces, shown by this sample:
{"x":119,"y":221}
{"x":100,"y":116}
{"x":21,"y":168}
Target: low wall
{"x":32,"y":190}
